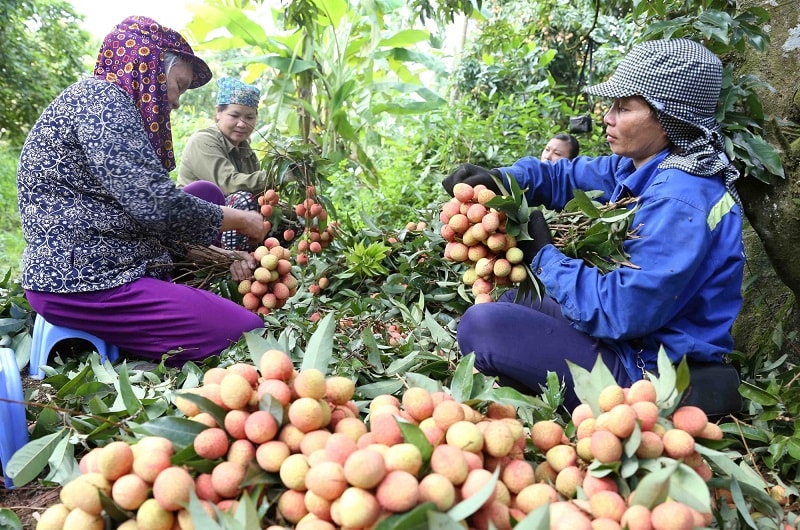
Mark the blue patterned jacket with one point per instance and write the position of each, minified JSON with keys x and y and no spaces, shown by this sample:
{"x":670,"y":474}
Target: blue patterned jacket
{"x":98,"y":209}
{"x":686,"y":293}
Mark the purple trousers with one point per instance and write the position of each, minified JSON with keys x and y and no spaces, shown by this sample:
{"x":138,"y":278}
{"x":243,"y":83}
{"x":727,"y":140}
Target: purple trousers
{"x":241,"y":200}
{"x":209,"y":192}
{"x":150,"y":317}
{"x":520,"y":343}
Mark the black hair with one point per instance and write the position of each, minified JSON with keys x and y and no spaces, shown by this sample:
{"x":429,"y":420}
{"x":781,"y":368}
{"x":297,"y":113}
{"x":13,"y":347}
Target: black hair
{"x":574,"y":145}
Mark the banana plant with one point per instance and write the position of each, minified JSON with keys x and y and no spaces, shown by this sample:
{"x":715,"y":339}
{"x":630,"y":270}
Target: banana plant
{"x":333,"y":67}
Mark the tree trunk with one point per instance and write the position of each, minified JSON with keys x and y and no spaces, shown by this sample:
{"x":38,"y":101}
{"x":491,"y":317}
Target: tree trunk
{"x":773,"y":210}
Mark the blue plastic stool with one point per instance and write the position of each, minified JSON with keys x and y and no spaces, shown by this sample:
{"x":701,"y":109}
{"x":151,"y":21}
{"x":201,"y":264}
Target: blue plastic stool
{"x":47,"y":335}
{"x":13,"y":426}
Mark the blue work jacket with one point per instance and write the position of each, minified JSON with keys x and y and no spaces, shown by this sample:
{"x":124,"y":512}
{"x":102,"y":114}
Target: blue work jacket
{"x":685,"y":293}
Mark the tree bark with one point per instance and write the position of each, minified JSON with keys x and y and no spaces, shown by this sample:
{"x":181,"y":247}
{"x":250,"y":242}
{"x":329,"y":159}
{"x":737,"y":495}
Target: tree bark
{"x":773,"y":210}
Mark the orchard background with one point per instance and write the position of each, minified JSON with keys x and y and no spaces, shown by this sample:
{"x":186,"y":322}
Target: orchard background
{"x":372,"y":106}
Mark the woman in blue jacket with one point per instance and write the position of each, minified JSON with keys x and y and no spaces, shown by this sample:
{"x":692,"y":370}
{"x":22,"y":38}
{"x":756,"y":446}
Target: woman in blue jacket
{"x":684,"y":294}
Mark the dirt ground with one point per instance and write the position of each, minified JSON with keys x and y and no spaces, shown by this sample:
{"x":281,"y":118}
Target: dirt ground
{"x":31,"y":499}
{"x":27,"y":501}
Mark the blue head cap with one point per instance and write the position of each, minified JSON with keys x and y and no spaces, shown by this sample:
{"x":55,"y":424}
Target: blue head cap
{"x":231,"y":91}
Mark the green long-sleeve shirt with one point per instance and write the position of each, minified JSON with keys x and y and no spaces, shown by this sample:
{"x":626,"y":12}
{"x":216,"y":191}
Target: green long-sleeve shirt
{"x":210,"y":156}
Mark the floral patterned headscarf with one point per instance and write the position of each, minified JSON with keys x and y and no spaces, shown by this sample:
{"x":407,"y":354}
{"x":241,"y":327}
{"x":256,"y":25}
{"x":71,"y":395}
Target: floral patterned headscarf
{"x":132,"y":56}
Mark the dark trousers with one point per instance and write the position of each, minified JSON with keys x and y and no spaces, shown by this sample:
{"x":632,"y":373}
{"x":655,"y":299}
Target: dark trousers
{"x":520,"y":343}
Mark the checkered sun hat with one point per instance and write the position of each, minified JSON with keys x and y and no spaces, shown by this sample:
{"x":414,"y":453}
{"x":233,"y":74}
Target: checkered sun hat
{"x":678,"y":77}
{"x":681,"y":80}
{"x":231,"y":91}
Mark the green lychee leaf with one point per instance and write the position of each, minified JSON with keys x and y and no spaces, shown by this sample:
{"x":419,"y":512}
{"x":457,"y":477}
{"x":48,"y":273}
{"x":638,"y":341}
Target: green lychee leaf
{"x":255,"y":476}
{"x":588,"y":385}
{"x":271,"y":405}
{"x":573,"y":205}
{"x":508,"y":396}
{"x":502,"y":203}
{"x":414,"y":519}
{"x":206,"y":405}
{"x":599,"y":469}
{"x":320,"y":346}
{"x":384,"y":386}
{"x":246,"y":512}
{"x":654,"y":488}
{"x":440,"y":521}
{"x":629,"y":466}
{"x":741,"y":505}
{"x":180,"y":431}
{"x":257,"y":345}
{"x":9,"y":520}
{"x":667,"y":396}
{"x":757,"y":498}
{"x":581,"y":378}
{"x":402,"y":365}
{"x":374,"y":351}
{"x":112,"y":509}
{"x":199,"y":515}
{"x":30,"y":459}
{"x":461,"y":384}
{"x":423,"y":381}
{"x":62,"y":462}
{"x":689,"y":488}
{"x":683,"y":376}
{"x":724,"y":465}
{"x":538,"y":519}
{"x":188,"y":457}
{"x":585,"y":204}
{"x":633,"y":441}
{"x":758,"y":395}
{"x":413,"y":434}
{"x":468,"y":506}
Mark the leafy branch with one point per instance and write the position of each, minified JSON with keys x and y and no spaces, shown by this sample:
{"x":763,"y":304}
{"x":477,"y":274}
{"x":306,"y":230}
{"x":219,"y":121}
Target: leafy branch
{"x":595,"y":233}
{"x":584,"y":229}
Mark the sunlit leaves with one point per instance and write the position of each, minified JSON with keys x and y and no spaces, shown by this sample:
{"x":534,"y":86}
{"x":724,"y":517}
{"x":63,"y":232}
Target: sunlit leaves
{"x":366,"y":260}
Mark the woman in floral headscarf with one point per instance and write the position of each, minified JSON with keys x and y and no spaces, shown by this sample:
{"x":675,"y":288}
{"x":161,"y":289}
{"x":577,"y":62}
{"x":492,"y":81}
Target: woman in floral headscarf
{"x":99,"y":210}
{"x":222,"y":154}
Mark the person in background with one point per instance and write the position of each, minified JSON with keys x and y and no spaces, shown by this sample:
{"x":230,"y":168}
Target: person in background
{"x":561,"y":146}
{"x":101,"y":215}
{"x":685,"y":291}
{"x":222,"y":154}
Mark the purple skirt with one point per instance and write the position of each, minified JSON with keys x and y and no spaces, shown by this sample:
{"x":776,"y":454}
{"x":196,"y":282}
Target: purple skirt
{"x":150,"y":317}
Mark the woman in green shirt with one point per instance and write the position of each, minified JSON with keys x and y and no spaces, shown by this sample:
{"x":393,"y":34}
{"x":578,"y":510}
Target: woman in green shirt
{"x":222,"y":154}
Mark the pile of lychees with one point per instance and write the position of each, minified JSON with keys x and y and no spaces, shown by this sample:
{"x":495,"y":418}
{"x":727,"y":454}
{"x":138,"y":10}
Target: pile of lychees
{"x":333,"y":468}
{"x":611,"y":450}
{"x":476,"y":236}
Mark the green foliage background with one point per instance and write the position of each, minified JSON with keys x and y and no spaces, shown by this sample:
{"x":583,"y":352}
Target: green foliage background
{"x":43,"y":51}
{"x":379,"y":113}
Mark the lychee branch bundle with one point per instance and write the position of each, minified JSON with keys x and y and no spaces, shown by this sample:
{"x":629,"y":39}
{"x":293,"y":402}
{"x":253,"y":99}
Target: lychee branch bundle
{"x":482,"y":237}
{"x":482,"y":230}
{"x":583,"y":229}
{"x":595,"y":233}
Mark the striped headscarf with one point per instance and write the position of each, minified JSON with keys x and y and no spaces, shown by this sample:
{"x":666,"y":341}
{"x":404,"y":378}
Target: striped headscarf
{"x":132,"y":56}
